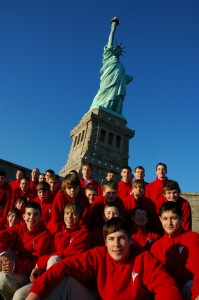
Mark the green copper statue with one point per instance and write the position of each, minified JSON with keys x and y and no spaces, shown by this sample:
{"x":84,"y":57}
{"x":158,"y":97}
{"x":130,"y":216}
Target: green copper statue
{"x":113,"y":79}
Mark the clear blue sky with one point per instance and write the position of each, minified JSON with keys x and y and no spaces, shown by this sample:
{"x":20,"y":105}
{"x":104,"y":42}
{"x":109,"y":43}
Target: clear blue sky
{"x":50,"y":58}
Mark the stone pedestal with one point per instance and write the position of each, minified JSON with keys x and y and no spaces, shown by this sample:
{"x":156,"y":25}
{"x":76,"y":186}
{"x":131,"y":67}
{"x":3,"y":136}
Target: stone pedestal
{"x":102,"y":139}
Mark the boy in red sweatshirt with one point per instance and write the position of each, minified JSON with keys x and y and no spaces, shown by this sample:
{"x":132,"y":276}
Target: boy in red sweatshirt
{"x":20,"y":249}
{"x":142,"y":237}
{"x":171,"y":192}
{"x":72,"y":239}
{"x":117,"y":270}
{"x":177,"y":249}
{"x":70,"y":191}
{"x":44,"y":198}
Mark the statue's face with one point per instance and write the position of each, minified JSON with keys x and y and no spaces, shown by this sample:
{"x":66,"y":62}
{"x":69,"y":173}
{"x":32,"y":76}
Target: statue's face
{"x":117,"y":50}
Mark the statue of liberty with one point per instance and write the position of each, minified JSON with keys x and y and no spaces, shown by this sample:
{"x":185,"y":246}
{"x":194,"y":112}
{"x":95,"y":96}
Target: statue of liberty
{"x":113,"y":79}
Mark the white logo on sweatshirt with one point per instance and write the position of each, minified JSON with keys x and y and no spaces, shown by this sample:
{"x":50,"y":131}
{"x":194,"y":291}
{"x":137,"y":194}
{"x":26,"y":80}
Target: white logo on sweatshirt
{"x":180,"y":249}
{"x":134,"y":275}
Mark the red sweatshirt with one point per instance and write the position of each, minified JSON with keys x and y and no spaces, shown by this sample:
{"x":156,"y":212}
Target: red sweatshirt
{"x":142,"y":238}
{"x":154,"y":190}
{"x":5,"y":196}
{"x":46,"y":209}
{"x":29,"y":194}
{"x":179,"y":254}
{"x":186,"y":211}
{"x":68,"y":242}
{"x":97,"y":210}
{"x":28,"y":245}
{"x":124,"y":189}
{"x":91,"y":182}
{"x":15,"y":184}
{"x":59,"y":203}
{"x":135,"y":277}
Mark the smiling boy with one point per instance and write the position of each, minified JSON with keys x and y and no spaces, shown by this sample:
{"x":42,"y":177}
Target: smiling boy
{"x":20,"y":249}
{"x":118,"y":272}
{"x":177,"y":249}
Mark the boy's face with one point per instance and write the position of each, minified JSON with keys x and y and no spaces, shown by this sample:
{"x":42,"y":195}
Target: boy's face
{"x":35,"y":174}
{"x":19,"y":175}
{"x":32,"y":217}
{"x":53,"y":184}
{"x":161,"y":172}
{"x":91,"y":195}
{"x":126,"y":175}
{"x":21,"y":206}
{"x":24,"y":185}
{"x":171,"y":222}
{"x":47,"y":175}
{"x":139,"y":174}
{"x":43,"y":195}
{"x":42,"y":178}
{"x":71,"y":218}
{"x":140,"y":217}
{"x":73,"y":191}
{"x":110,"y":212}
{"x":172,"y":195}
{"x":12,"y":220}
{"x":2,"y":180}
{"x":117,"y":244}
{"x":86,"y":172}
{"x":110,"y":177}
{"x":110,"y":194}
{"x":138,"y":191}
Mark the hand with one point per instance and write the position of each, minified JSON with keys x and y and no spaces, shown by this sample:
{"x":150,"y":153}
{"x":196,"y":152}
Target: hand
{"x":32,"y":296}
{"x":35,"y":273}
{"x":7,"y":265}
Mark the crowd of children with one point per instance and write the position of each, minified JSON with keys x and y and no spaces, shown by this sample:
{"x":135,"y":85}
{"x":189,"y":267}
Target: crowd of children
{"x":77,"y":240}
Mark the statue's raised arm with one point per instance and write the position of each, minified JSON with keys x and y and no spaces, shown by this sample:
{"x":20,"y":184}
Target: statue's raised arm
{"x":113,"y":79}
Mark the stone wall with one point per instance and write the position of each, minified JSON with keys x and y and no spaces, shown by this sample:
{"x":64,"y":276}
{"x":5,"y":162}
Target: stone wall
{"x":193,"y":199}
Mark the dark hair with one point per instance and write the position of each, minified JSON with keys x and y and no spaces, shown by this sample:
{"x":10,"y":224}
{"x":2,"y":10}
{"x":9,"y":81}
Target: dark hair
{"x":139,"y":167}
{"x":126,"y":167}
{"x":70,"y":180}
{"x":91,"y":187}
{"x":50,"y":171}
{"x":14,"y":211}
{"x":141,"y":207}
{"x":44,"y":186}
{"x":34,"y":205}
{"x":22,"y":198}
{"x":3,"y":173}
{"x":112,"y":204}
{"x":116,"y":224}
{"x":76,"y":206}
{"x":161,"y":164}
{"x":171,"y":206}
{"x":111,"y":184}
{"x":87,"y":164}
{"x":138,"y":182}
{"x":73,"y":172}
{"x":170,"y":185}
{"x":110,"y":172}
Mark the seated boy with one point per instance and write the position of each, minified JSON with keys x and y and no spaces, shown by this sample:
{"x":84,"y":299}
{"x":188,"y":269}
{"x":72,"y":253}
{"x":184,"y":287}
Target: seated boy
{"x":138,"y":198}
{"x":70,"y":191}
{"x":111,"y":210}
{"x":87,"y":178}
{"x":20,"y":249}
{"x":171,"y":192}
{"x":97,"y":210}
{"x":116,"y":269}
{"x":142,"y":237}
{"x":139,"y":174}
{"x":72,"y":239}
{"x":45,"y":200}
{"x":177,"y":249}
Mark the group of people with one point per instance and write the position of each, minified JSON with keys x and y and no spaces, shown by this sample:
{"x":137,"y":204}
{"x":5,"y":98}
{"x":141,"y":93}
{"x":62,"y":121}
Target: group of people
{"x":78,"y":240}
